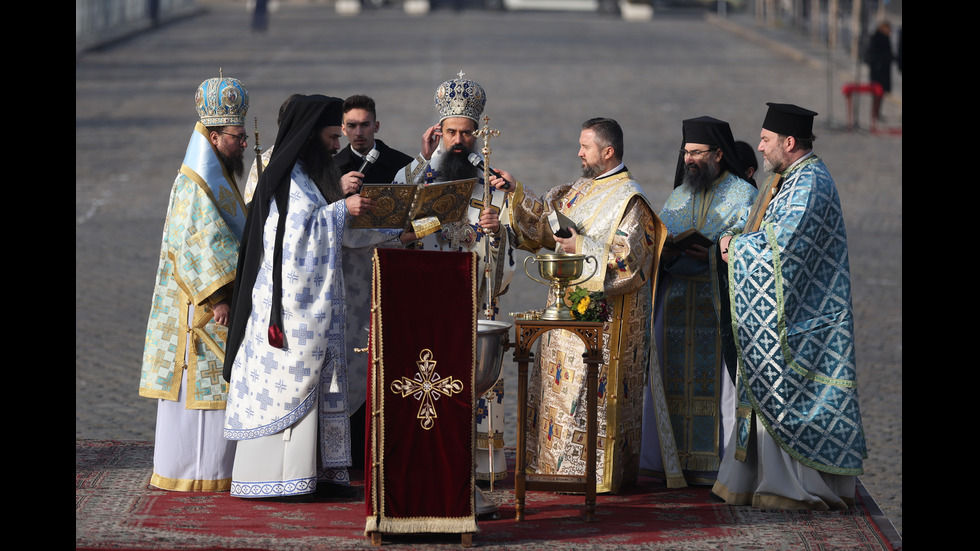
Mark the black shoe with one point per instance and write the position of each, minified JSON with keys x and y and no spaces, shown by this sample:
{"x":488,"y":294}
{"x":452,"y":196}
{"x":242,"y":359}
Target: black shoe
{"x":338,"y":491}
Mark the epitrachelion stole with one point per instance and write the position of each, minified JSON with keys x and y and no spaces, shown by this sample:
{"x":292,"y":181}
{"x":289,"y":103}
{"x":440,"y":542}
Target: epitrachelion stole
{"x":419,"y":475}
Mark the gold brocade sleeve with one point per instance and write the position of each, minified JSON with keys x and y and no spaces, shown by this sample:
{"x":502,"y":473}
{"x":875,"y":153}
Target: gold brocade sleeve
{"x":633,"y":252}
{"x":529,"y":217}
{"x":224,"y":293}
{"x":631,"y":255}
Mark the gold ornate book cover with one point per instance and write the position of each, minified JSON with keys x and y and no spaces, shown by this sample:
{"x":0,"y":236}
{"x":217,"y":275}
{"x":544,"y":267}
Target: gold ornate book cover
{"x":398,"y":205}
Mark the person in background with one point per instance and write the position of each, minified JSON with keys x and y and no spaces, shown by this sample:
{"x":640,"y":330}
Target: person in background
{"x":879,"y":58}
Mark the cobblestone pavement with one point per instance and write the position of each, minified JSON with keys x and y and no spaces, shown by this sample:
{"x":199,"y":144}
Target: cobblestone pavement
{"x":544,"y":74}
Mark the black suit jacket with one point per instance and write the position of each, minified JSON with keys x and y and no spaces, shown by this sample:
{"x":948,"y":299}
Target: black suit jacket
{"x":383,"y":171}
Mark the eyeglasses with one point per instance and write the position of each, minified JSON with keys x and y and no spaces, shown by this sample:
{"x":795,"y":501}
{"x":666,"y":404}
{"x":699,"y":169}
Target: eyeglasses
{"x":696,"y":154}
{"x":242,"y":138}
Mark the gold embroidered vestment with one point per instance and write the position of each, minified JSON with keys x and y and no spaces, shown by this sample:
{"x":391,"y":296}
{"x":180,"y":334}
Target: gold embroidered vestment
{"x":621,"y":231}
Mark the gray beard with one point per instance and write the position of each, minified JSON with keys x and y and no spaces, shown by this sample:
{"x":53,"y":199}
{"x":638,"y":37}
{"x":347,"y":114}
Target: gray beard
{"x":591,"y":171}
{"x":768,"y":167}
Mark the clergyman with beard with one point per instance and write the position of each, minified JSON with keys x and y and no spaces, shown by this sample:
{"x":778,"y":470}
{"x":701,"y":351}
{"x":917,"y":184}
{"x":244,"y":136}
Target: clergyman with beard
{"x":799,"y":438}
{"x":288,"y":317}
{"x":183,"y":352}
{"x":317,"y":158}
{"x":445,"y":157}
{"x":710,"y":195}
{"x":617,"y":227}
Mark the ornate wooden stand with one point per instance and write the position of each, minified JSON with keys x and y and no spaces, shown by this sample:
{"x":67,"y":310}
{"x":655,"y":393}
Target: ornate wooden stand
{"x":528,"y":331}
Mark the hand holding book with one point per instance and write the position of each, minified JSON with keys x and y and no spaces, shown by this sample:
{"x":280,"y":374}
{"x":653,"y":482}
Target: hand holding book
{"x":687,"y":239}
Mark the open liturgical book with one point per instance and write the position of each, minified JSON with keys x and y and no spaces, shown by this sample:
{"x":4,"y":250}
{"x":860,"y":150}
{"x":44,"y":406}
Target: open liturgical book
{"x":421,"y":208}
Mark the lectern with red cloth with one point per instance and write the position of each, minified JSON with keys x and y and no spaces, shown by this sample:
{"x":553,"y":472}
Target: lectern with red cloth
{"x":420,"y":439}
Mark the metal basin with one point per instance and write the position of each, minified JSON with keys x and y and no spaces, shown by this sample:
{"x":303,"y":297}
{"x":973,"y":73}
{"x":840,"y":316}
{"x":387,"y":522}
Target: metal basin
{"x":560,"y":266}
{"x":491,"y":340}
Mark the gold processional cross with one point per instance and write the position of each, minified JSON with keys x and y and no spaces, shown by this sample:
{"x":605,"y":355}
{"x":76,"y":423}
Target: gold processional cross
{"x":487,"y":132}
{"x":427,"y":385}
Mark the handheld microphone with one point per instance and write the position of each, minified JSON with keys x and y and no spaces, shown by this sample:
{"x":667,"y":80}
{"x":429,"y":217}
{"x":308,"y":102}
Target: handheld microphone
{"x":370,"y":158}
{"x":478,"y":163}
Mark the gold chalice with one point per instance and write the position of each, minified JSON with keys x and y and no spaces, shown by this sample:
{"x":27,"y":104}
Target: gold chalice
{"x":559,"y":270}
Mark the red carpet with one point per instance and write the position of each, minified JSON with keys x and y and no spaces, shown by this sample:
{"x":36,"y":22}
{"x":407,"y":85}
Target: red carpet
{"x":115,"y":509}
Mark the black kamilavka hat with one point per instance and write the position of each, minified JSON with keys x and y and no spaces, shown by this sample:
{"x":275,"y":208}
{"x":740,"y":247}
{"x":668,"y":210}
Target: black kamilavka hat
{"x":715,"y":133}
{"x":789,"y":120}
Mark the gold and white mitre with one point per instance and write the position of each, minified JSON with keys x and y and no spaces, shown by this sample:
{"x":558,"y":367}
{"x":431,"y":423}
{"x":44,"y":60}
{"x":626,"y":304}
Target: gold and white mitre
{"x":460,"y":97}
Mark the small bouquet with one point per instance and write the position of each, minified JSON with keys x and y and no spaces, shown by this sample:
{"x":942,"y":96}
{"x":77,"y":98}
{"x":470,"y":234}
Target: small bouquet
{"x":588,"y":306}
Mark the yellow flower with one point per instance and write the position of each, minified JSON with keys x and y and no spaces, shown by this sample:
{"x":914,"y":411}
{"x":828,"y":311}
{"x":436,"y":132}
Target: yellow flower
{"x":583,"y":304}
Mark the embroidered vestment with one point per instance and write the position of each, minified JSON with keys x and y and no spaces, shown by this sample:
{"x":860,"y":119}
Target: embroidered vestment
{"x":272,"y":388}
{"x":198,"y":256}
{"x":692,"y":365}
{"x":790,"y":290}
{"x":621,"y":231}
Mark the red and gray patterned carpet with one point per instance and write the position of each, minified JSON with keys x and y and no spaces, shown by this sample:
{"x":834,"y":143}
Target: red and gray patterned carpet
{"x":116,"y":509}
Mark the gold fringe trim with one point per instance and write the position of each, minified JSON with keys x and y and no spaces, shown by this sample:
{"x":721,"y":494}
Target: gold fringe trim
{"x":767,"y":501}
{"x":673,"y":481}
{"x":680,"y":481}
{"x":188,"y":485}
{"x":498,"y":442}
{"x":731,"y":497}
{"x":158,"y":394}
{"x":371,"y":525}
{"x":421,"y":525}
{"x":678,"y":406}
{"x":702,"y":462}
{"x":700,"y":480}
{"x":704,"y":407}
